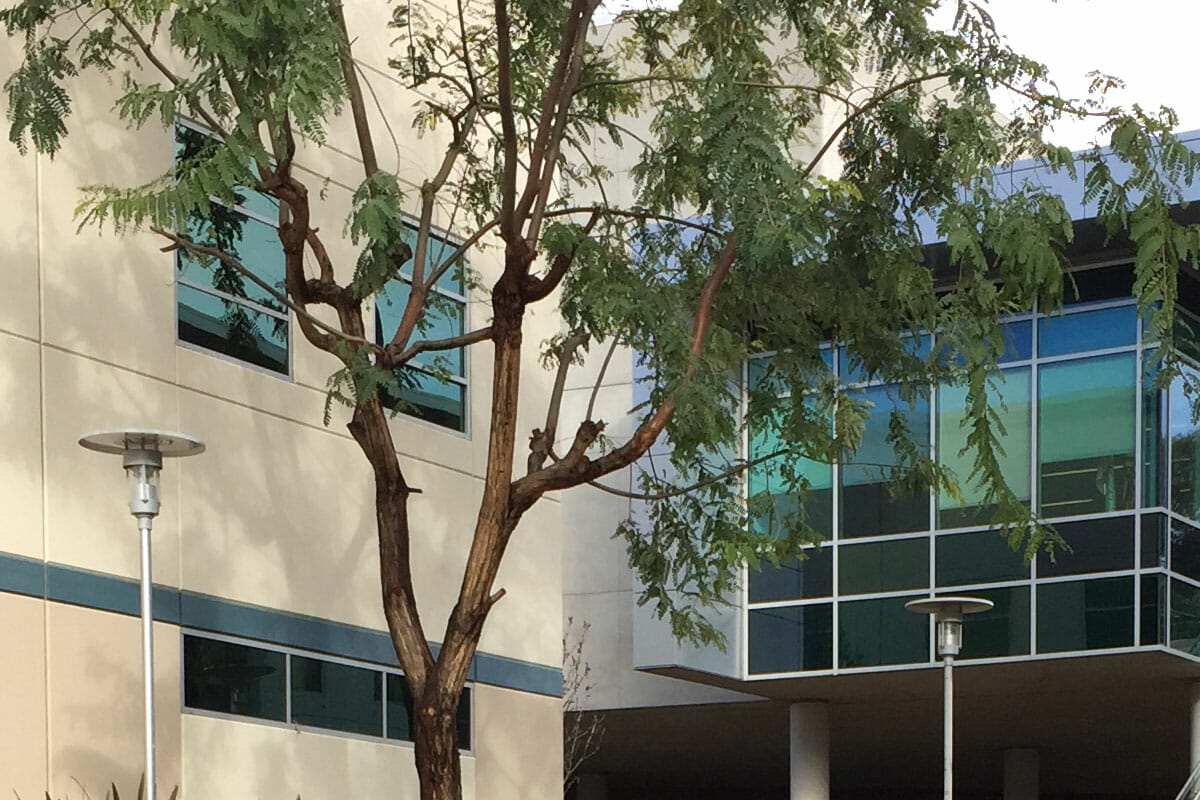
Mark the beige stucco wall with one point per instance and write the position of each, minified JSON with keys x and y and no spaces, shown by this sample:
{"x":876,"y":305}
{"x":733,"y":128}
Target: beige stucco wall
{"x":278,"y":512}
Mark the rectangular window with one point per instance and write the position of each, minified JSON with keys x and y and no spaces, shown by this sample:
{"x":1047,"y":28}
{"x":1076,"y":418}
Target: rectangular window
{"x":1086,"y":432}
{"x":1094,"y":545}
{"x":772,"y":494}
{"x":875,"y":632}
{"x":1009,"y":399}
{"x":1185,"y":617}
{"x":870,"y":567}
{"x":1002,"y":630}
{"x":1060,"y":334}
{"x":234,"y":678}
{"x":1085,"y":615}
{"x":868,"y":507}
{"x":966,"y":558}
{"x":218,"y":308}
{"x":791,"y":639}
{"x":433,"y":386}
{"x":1154,"y":609}
{"x":1184,"y":435}
{"x":794,"y":579}
{"x":1185,"y":549}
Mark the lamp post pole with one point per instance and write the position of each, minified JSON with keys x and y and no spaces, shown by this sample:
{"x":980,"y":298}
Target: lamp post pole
{"x":142,"y":453}
{"x":947,"y":613}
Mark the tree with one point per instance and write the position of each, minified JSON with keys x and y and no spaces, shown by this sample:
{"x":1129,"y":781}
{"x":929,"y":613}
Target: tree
{"x":742,"y":236}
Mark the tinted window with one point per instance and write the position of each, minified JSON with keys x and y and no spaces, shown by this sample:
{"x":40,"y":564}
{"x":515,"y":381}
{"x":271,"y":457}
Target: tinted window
{"x":965,"y":558}
{"x":794,"y":579}
{"x":868,"y":507}
{"x":1060,"y":334}
{"x":1002,"y":630}
{"x":772,"y":485}
{"x":1085,"y":615}
{"x":791,"y":639}
{"x":1009,"y":399}
{"x":1154,"y":540}
{"x":1154,"y":435}
{"x":336,"y":696}
{"x":401,"y":720}
{"x":883,"y":566}
{"x":1185,"y":549}
{"x":1086,"y":435}
{"x":1184,"y":435}
{"x":1154,"y":609}
{"x":233,"y":678}
{"x":1095,"y":545}
{"x":1185,"y":617}
{"x":873,"y":632}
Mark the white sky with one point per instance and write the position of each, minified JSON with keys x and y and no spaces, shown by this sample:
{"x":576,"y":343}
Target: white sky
{"x":1153,"y":45}
{"x":1150,"y":44}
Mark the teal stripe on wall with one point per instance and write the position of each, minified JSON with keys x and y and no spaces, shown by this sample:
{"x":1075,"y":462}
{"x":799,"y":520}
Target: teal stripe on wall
{"x":63,"y":584}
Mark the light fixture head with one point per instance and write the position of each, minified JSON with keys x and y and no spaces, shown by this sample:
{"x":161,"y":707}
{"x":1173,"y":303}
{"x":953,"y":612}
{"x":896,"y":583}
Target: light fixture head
{"x":142,"y":452}
{"x":947,"y":613}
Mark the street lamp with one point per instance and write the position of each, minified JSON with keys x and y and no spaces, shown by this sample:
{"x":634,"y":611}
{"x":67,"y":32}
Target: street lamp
{"x":947,"y":613}
{"x":142,"y":453}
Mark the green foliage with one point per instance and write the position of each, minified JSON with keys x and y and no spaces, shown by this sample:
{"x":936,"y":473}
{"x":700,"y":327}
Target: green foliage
{"x":738,"y":102}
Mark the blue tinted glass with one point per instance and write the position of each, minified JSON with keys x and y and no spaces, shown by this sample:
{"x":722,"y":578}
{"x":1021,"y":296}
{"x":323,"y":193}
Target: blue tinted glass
{"x":189,"y":142}
{"x":851,"y":370}
{"x":1087,"y":330}
{"x":336,"y":696}
{"x":254,"y":244}
{"x":232,"y":328}
{"x":429,"y":399}
{"x":443,"y":318}
{"x":1018,"y":340}
{"x":437,"y":251}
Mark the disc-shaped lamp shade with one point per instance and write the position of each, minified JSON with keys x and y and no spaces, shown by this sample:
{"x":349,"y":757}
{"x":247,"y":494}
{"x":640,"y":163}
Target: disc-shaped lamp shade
{"x":171,"y":445}
{"x":142,"y":452}
{"x":948,"y":614}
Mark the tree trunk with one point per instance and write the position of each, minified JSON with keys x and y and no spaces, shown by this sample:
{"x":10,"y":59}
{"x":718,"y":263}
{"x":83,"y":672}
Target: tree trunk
{"x":437,"y":751}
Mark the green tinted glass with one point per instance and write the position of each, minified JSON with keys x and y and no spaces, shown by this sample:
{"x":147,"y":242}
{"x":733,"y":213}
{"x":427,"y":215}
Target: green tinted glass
{"x":771,"y":483}
{"x":1185,"y":617}
{"x":966,"y":558}
{"x":336,"y":696}
{"x":1086,"y":434}
{"x":794,"y":579}
{"x":1002,"y":630}
{"x":1184,"y":435}
{"x":1085,"y":615}
{"x":1094,"y":545}
{"x":1010,"y":400}
{"x":866,"y":568}
{"x":233,"y":678}
{"x":874,"y":632}
{"x":790,"y":639}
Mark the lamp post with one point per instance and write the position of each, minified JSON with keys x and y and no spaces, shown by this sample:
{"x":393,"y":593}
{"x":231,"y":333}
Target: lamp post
{"x":142,"y":452}
{"x":947,"y":613}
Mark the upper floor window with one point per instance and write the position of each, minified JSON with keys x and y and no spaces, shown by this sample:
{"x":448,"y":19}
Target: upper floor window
{"x":218,"y":308}
{"x":433,"y":386}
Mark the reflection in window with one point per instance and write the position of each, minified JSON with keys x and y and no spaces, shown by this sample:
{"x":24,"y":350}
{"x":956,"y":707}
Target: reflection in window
{"x":1184,"y":435}
{"x":1002,"y":630}
{"x":1010,"y":400}
{"x":1185,"y":549}
{"x":874,"y":632}
{"x":868,"y":509}
{"x":219,"y":308}
{"x":871,"y":567}
{"x":1085,"y":615}
{"x":791,"y":639}
{"x":966,"y":558}
{"x":401,"y":722}
{"x":1060,"y":334}
{"x":336,"y":696}
{"x":794,"y":579}
{"x":1154,"y":434}
{"x":1086,"y":435}
{"x":1094,"y":545}
{"x":433,"y":385}
{"x":233,"y":678}
{"x":1154,"y":609}
{"x":770,"y":485}
{"x":1185,"y":617}
{"x":1154,"y":540}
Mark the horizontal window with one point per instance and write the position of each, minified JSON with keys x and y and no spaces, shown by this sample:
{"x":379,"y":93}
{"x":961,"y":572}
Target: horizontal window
{"x":1002,"y":630}
{"x":871,"y":567}
{"x":1185,"y":549}
{"x":1087,"y":330}
{"x":235,"y":678}
{"x":874,"y":632}
{"x":794,"y":579}
{"x":1085,"y":615}
{"x":1094,"y":545}
{"x":966,"y":558}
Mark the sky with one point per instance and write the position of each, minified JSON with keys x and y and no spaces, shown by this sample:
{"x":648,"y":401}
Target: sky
{"x":1147,"y":43}
{"x":1151,"y":44}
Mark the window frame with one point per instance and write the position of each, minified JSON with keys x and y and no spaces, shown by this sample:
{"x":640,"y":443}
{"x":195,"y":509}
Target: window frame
{"x":464,"y":380}
{"x":287,"y":723}
{"x":182,"y":280}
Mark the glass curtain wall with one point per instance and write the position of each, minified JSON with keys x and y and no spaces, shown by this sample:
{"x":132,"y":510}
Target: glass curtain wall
{"x":1079,"y":413}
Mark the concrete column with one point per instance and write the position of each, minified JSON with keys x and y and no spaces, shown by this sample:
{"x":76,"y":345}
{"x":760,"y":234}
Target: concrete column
{"x":592,"y":787}
{"x":1020,"y":774}
{"x":1195,"y":759}
{"x":809,"y":729}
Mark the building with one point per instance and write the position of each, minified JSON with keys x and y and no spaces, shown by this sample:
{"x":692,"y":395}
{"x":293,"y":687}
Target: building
{"x":1085,"y":676}
{"x":274,"y":671}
